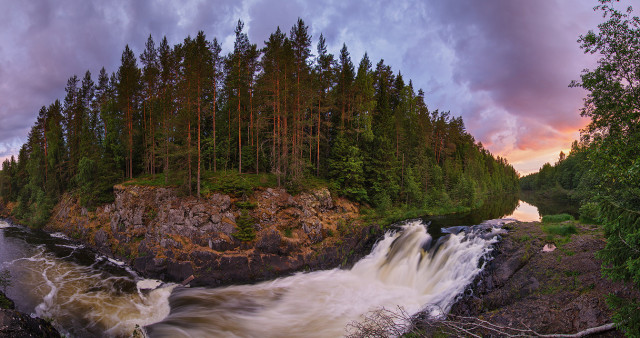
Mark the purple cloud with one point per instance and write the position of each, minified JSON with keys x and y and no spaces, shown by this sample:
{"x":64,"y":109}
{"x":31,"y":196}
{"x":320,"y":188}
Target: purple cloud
{"x":503,"y":65}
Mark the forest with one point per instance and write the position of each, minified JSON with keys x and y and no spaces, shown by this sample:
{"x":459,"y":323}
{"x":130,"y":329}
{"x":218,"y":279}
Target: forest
{"x":603,"y":168}
{"x":186,"y":115}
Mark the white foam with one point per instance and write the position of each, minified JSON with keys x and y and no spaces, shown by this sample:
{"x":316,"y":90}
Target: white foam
{"x":148,"y":284}
{"x":398,"y":273}
{"x":71,"y":246}
{"x":58,"y":235}
{"x":115,"y":261}
{"x":4,"y":225}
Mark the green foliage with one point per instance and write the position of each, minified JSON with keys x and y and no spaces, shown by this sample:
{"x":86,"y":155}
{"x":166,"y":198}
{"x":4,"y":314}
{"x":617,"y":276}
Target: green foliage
{"x":237,"y":184}
{"x":246,"y":205}
{"x":245,"y":222}
{"x":5,"y":303}
{"x":188,"y":117}
{"x":626,"y":315}
{"x":560,"y":229}
{"x":346,"y":168}
{"x":613,"y":136}
{"x":589,"y":213}
{"x":557,"y":218}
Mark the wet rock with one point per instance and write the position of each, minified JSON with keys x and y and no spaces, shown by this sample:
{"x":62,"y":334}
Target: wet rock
{"x":20,"y":325}
{"x":179,"y":271}
{"x":102,"y":241}
{"x":234,"y":268}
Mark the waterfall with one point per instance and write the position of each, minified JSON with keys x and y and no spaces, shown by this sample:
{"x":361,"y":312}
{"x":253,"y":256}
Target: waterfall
{"x":90,"y":295}
{"x":405,"y":269}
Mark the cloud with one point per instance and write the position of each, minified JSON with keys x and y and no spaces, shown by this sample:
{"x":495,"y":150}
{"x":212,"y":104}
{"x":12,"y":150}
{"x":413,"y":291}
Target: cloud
{"x":503,"y":65}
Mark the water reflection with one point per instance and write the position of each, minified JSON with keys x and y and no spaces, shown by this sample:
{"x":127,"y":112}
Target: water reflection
{"x":552,"y":203}
{"x":525,"y":212}
{"x":494,"y":208}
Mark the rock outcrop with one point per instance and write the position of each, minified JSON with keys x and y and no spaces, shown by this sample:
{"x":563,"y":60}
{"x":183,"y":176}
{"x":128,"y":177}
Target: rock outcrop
{"x":171,"y":237}
{"x":17,"y":324}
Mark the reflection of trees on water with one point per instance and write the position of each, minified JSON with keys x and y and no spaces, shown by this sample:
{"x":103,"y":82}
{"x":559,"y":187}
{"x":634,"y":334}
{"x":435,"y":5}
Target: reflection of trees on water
{"x":495,"y":206}
{"x":552,"y":202}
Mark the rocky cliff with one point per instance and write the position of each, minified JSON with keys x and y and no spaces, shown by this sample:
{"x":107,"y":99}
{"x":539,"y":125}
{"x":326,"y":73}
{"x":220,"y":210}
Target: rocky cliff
{"x":220,"y":239}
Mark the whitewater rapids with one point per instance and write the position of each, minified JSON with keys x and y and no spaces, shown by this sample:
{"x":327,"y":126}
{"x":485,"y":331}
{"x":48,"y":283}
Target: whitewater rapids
{"x":405,"y":269}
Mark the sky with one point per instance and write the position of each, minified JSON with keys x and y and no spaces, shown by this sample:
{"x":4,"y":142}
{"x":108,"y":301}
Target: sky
{"x":503,"y":65}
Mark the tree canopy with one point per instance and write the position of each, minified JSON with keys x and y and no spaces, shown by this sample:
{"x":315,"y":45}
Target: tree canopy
{"x":186,"y":111}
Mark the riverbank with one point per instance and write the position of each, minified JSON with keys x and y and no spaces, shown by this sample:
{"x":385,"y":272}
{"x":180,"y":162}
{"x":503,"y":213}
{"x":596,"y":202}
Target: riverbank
{"x":222,"y":239}
{"x":558,"y":291}
{"x":14,"y":323}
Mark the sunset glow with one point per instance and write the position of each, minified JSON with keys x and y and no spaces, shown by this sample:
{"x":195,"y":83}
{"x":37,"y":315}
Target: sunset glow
{"x":503,"y":66}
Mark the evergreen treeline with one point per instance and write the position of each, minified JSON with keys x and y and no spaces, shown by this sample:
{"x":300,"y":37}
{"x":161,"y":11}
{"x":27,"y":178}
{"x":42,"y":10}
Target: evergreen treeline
{"x":187,"y":110}
{"x":605,"y":167}
{"x":569,"y":174}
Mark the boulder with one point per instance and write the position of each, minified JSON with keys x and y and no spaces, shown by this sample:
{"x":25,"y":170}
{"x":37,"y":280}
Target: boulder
{"x":17,"y":324}
{"x":221,"y":201}
{"x":269,"y":241}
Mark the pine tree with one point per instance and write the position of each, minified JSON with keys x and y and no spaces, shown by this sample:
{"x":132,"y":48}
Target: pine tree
{"x":128,"y":90}
{"x":325,"y":78}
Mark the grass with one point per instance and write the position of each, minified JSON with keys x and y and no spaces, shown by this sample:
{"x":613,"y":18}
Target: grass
{"x":557,"y":218}
{"x":559,"y":233}
{"x":560,"y":229}
{"x":228,"y":182}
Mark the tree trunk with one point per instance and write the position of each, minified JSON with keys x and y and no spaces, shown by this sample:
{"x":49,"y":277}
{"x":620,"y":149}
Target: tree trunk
{"x":199,"y":157}
{"x":189,"y":152}
{"x":214,"y":127}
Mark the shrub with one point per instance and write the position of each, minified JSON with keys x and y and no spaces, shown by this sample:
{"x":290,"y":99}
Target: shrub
{"x":245,"y":223}
{"x":589,"y":213}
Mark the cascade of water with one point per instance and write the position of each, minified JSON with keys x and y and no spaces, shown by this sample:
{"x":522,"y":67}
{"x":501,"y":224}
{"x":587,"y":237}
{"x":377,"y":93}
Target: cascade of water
{"x":406,"y":268}
{"x":100,"y":299}
{"x":403,"y":269}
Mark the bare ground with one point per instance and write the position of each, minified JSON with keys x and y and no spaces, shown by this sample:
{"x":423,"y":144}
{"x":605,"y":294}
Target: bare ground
{"x":562,"y":291}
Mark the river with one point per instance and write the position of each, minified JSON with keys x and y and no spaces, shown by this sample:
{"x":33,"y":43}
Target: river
{"x":91,"y":295}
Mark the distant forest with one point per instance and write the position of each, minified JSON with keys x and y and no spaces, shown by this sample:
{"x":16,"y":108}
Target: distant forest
{"x":184,"y":113}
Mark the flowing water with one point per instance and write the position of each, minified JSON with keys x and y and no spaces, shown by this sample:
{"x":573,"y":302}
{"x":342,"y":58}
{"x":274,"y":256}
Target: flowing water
{"x":85,"y":294}
{"x":90,"y":295}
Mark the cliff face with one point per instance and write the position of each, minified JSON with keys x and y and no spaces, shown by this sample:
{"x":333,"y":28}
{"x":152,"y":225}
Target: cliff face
{"x":171,"y":237}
